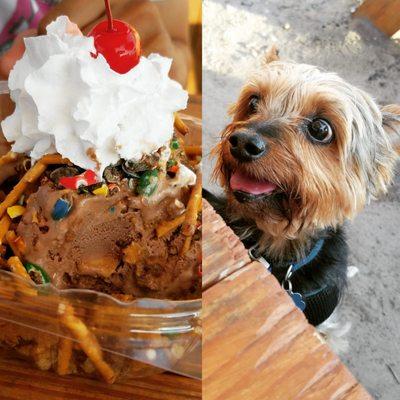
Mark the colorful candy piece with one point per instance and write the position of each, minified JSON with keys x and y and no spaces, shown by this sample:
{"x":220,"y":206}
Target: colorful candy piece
{"x":63,"y":172}
{"x":174,"y":144}
{"x":101,"y":191}
{"x":15,"y":211}
{"x":118,"y":42}
{"x":174,"y":169}
{"x":61,"y":209}
{"x":88,"y":178}
{"x":171,"y":162}
{"x":38,"y":274}
{"x":148,"y":183}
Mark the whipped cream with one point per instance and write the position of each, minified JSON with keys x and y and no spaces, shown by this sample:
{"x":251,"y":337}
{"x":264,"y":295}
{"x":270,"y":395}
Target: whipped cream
{"x":71,"y":103}
{"x":172,"y":187}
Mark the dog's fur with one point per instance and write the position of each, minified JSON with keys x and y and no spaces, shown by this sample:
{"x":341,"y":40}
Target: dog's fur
{"x":320,"y":186}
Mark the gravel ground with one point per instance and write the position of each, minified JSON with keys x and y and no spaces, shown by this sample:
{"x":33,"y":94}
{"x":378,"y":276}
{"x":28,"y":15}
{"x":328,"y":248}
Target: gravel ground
{"x":321,"y":32}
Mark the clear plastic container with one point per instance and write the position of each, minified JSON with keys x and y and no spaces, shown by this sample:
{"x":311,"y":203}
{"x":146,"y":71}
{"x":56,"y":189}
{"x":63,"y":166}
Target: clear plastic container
{"x":135,"y":339}
{"x":92,"y":334}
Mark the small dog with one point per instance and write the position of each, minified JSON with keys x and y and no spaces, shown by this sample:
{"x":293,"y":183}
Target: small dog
{"x":305,"y":151}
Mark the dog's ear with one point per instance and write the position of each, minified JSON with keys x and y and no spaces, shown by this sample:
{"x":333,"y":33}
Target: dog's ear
{"x":387,"y":151}
{"x":271,"y":55}
{"x":391,"y":124}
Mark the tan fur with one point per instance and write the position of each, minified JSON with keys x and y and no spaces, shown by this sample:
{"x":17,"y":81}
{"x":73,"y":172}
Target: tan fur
{"x":325,"y":185}
{"x":271,"y":55}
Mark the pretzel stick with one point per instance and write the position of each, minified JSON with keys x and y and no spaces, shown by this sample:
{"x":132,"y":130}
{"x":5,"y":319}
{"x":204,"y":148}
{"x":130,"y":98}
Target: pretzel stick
{"x":65,"y":347}
{"x":169,"y":226}
{"x":193,"y":151}
{"x":192,"y":209}
{"x":31,"y":176}
{"x":87,"y":341}
{"x":54,"y":159}
{"x":5,"y":223}
{"x":180,"y":126}
{"x":13,"y":241}
{"x":186,"y":245}
{"x":9,"y":158}
{"x":18,"y":268}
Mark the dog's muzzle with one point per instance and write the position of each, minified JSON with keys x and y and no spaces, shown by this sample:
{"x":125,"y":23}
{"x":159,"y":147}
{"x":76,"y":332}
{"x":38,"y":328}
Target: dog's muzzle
{"x":247,"y":146}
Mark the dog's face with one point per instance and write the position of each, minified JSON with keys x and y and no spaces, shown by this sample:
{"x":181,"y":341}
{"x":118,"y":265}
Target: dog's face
{"x":305,"y":150}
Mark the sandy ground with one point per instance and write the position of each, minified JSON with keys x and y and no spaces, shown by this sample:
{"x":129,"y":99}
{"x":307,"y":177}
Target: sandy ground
{"x":321,"y":32}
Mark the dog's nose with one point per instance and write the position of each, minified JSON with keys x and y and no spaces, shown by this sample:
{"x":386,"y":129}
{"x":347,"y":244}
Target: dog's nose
{"x":247,"y":146}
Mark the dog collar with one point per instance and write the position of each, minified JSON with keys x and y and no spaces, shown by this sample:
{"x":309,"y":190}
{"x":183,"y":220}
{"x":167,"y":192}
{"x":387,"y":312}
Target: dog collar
{"x":318,"y":304}
{"x":255,"y":255}
{"x":313,"y":253}
{"x":298,"y":298}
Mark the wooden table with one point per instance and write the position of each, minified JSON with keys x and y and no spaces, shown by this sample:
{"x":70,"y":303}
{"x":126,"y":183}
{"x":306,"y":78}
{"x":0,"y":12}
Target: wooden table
{"x":256,"y":343}
{"x":18,"y":381}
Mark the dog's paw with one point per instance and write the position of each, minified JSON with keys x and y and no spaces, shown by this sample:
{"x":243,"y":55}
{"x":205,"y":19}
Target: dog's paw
{"x":352,"y":271}
{"x":333,"y":331}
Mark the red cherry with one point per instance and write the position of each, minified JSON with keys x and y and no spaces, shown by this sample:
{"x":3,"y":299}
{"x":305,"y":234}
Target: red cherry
{"x":118,"y":42}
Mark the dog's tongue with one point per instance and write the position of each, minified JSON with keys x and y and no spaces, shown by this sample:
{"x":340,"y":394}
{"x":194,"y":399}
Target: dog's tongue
{"x":239,"y":181}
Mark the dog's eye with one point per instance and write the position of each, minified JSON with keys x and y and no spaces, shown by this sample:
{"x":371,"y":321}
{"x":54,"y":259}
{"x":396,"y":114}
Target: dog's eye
{"x":320,"y":131}
{"x":253,"y":104}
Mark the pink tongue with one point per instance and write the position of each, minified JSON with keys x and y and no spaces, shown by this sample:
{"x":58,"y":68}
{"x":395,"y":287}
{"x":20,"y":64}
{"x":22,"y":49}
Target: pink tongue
{"x":242,"y":182}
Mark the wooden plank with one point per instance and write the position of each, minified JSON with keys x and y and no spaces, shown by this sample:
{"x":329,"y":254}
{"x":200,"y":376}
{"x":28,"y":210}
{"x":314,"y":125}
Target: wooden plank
{"x":384,"y":14}
{"x":256,"y":343}
{"x":18,"y":381}
{"x":223,"y":252}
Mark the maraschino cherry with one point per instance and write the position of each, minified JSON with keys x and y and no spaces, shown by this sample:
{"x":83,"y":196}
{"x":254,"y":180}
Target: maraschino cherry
{"x":117,"y":41}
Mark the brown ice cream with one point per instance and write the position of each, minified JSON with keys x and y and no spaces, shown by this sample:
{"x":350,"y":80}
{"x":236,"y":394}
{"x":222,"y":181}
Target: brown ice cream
{"x":109,"y":244}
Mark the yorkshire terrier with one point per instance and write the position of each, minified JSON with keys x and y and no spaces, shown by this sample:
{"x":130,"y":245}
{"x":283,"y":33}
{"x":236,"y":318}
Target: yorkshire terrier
{"x":304,"y":153}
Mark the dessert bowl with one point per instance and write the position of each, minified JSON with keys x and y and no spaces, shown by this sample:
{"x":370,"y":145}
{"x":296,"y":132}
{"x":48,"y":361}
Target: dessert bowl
{"x":50,"y":328}
{"x":130,"y":338}
{"x":100,"y":255}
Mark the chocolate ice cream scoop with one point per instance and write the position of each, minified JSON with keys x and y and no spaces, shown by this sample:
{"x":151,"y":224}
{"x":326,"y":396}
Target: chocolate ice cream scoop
{"x":89,"y":246}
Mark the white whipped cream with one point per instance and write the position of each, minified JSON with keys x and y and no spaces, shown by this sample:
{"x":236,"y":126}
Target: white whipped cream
{"x":71,"y":103}
{"x":172,"y":187}
{"x":185,"y":176}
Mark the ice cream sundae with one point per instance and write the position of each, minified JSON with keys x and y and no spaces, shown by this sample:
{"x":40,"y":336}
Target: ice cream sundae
{"x":90,"y":218}
{"x":104,"y":196}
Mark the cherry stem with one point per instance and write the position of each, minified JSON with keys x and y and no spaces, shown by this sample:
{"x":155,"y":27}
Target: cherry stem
{"x":109,"y":16}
